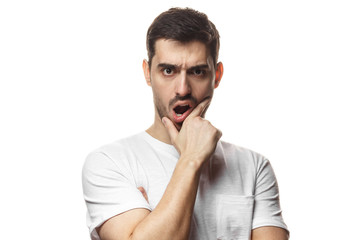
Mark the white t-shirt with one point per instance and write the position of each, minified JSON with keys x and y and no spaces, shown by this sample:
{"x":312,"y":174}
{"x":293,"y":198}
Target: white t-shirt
{"x":237,"y":191}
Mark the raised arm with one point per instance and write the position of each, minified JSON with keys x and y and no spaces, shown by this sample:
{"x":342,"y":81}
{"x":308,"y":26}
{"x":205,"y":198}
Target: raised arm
{"x":171,"y":218}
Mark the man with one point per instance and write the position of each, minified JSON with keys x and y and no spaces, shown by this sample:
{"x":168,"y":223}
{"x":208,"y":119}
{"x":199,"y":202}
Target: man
{"x":176,"y":180}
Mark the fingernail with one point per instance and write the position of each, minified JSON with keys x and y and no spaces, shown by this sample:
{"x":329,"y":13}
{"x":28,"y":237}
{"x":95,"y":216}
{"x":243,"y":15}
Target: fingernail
{"x":163,"y":121}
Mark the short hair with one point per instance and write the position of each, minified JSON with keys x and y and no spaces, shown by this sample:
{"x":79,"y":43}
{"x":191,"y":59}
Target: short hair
{"x":183,"y":25}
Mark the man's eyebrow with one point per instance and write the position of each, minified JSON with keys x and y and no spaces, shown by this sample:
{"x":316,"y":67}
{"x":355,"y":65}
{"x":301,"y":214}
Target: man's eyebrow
{"x":201,"y":66}
{"x":166,"y":65}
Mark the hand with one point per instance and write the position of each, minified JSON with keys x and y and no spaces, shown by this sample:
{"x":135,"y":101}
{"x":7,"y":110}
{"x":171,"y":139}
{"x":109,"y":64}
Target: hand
{"x":197,"y":138}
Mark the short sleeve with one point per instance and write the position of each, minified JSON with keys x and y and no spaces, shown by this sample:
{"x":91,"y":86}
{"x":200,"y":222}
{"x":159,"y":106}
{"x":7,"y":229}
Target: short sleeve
{"x":109,"y":189}
{"x":267,"y":211}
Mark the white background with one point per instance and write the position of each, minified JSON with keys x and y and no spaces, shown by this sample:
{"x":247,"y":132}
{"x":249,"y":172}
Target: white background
{"x":71,"y":80}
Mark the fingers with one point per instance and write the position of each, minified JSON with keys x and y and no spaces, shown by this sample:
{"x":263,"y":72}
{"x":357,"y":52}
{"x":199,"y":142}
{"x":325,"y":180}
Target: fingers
{"x":198,"y":111}
{"x":170,"y":127}
{"x":142,"y":190}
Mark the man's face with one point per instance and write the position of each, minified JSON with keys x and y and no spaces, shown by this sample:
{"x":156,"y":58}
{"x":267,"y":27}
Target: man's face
{"x":181,"y":76}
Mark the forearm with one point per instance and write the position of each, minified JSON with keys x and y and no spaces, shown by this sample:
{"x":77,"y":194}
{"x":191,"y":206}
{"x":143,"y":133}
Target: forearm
{"x":171,"y":218}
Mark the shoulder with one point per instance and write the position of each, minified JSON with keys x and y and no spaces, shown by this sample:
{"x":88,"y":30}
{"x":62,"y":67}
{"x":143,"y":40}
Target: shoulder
{"x":121,"y":146}
{"x":241,"y":157}
{"x":112,"y":155}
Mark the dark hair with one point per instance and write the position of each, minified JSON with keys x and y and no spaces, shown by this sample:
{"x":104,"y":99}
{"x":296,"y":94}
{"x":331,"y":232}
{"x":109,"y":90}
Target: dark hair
{"x":183,"y":25}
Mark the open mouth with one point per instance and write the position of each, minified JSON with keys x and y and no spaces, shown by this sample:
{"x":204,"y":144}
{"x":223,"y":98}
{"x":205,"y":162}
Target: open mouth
{"x":181,"y":109}
{"x":181,"y":112}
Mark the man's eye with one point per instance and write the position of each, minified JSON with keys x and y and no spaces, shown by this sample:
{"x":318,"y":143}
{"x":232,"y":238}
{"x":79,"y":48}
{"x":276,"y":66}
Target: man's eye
{"x":167,"y":71}
{"x":198,"y":72}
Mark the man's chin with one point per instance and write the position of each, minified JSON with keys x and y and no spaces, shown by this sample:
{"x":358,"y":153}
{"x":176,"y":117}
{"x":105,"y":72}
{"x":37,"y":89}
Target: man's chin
{"x":177,"y":125}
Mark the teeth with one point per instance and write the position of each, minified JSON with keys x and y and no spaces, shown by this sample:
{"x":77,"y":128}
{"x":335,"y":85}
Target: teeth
{"x":178,"y":114}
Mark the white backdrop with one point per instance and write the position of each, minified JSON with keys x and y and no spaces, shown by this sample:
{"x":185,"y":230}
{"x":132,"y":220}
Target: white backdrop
{"x":71,"y":80}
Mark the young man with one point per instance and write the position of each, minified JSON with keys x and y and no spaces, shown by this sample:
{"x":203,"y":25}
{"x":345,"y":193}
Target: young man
{"x":176,"y":180}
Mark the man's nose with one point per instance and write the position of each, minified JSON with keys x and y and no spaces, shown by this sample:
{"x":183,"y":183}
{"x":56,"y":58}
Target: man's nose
{"x":183,"y":87}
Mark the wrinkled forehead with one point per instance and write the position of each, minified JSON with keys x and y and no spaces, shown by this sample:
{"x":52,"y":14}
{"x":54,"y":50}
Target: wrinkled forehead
{"x":177,"y":53}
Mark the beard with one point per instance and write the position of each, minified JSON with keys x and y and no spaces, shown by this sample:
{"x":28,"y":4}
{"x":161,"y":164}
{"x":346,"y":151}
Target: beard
{"x":160,"y":108}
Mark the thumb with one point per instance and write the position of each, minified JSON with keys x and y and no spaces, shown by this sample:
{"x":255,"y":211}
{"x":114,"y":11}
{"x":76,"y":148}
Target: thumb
{"x":171,"y":129}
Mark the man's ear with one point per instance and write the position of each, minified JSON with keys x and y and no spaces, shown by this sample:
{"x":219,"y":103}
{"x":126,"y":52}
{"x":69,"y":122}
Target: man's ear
{"x":146,"y":69}
{"x":218,"y":74}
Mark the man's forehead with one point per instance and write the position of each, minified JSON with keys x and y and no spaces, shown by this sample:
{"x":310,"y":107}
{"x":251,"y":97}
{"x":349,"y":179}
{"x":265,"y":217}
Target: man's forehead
{"x":179,"y":53}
